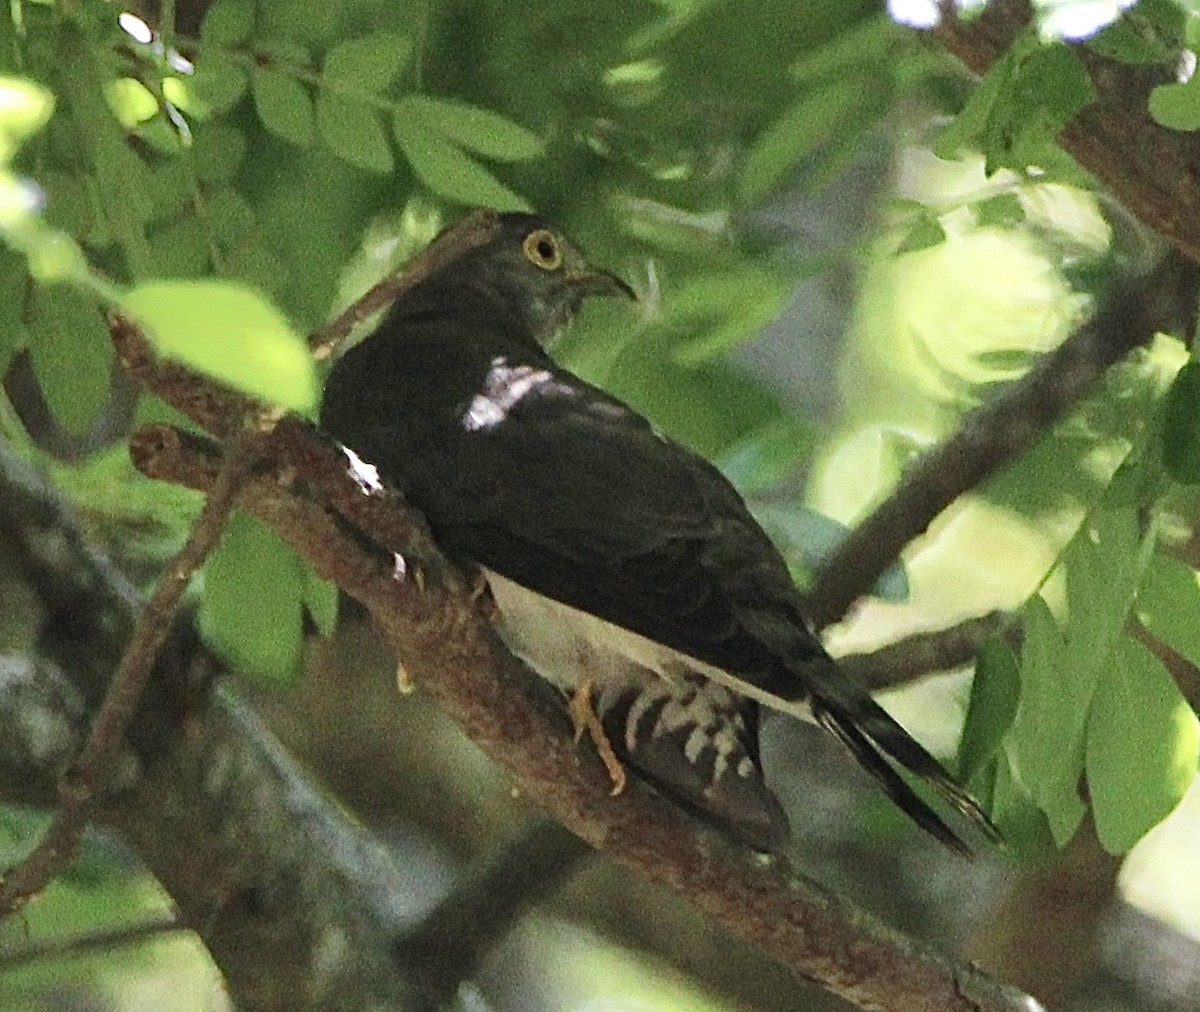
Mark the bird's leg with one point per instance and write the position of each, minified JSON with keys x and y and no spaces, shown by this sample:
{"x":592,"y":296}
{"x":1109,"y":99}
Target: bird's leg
{"x":584,"y":720}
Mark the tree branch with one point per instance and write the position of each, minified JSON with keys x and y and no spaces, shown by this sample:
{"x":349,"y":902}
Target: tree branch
{"x":476,"y":229}
{"x":996,"y":433}
{"x":449,"y":647}
{"x":212,"y":808}
{"x":923,"y":653}
{"x":1150,"y":170}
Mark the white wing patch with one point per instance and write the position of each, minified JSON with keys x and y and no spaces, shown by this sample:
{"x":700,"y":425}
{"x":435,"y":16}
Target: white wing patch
{"x":503,"y":389}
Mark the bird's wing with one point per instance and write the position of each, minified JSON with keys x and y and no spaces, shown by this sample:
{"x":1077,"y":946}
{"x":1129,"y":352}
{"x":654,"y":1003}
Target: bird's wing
{"x":562,"y":489}
{"x":570,"y":493}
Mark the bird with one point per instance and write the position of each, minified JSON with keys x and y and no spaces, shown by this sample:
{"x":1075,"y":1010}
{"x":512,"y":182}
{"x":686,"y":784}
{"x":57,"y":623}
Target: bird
{"x":623,"y":567}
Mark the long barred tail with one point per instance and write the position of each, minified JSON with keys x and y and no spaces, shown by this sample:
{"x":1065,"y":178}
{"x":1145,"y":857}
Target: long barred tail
{"x":880,"y":745}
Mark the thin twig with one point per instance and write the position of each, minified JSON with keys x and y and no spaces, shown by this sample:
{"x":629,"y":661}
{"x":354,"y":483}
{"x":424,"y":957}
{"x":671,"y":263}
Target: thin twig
{"x":991,"y":437}
{"x":439,"y":633}
{"x":923,"y":653}
{"x":474,"y":230}
{"x":82,"y":784}
{"x":60,"y":947}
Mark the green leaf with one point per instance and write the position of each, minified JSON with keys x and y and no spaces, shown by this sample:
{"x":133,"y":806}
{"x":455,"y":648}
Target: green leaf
{"x":69,"y":204}
{"x":1002,"y":211}
{"x":284,"y":106}
{"x":71,"y":353}
{"x":1015,"y":115}
{"x":251,"y":612}
{"x":1020,"y":821}
{"x":1181,"y":426}
{"x":231,"y":333}
{"x":218,"y":83}
{"x":321,"y":599}
{"x":228,"y":23}
{"x":995,"y":691}
{"x":807,"y":537}
{"x":777,"y":152}
{"x":367,"y":64}
{"x":1168,"y":605}
{"x":1177,"y":106}
{"x":923,"y":232}
{"x":764,"y":458}
{"x":217,"y":151}
{"x":130,"y":101}
{"x":1142,"y":749}
{"x":353,"y":132}
{"x":1047,"y":745}
{"x":720,"y":310}
{"x":447,"y":171}
{"x":480,"y":130}
{"x":24,"y":109}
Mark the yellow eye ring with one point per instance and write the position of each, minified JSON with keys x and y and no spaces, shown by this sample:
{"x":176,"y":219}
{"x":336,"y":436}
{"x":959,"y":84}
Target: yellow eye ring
{"x":542,"y":249}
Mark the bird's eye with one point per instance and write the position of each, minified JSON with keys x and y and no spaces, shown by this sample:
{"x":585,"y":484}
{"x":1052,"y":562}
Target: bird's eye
{"x":542,"y":250}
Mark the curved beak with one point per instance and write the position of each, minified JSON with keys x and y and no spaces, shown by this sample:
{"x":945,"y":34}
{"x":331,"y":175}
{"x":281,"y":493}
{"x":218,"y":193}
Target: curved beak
{"x":593,"y":282}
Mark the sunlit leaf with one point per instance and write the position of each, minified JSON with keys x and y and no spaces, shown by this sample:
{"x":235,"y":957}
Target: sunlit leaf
{"x":131,"y":102}
{"x":229,"y":332}
{"x":24,"y":109}
{"x":1142,"y":749}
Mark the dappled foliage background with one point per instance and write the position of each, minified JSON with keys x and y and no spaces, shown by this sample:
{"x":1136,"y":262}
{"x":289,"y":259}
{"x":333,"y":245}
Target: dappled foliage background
{"x":840,"y":251}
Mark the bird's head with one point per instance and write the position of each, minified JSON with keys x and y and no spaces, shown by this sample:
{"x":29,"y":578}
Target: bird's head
{"x":530,"y":269}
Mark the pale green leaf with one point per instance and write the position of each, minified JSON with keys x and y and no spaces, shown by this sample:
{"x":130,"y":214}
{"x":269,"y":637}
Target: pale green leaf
{"x":1142,"y":749}
{"x":231,"y":333}
{"x":24,"y":109}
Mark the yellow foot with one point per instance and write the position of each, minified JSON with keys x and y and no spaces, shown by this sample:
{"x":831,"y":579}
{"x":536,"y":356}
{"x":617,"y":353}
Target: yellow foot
{"x":584,"y":720}
{"x":404,"y":680}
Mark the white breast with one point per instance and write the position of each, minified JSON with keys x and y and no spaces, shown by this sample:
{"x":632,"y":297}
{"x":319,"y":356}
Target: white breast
{"x":568,"y":646}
